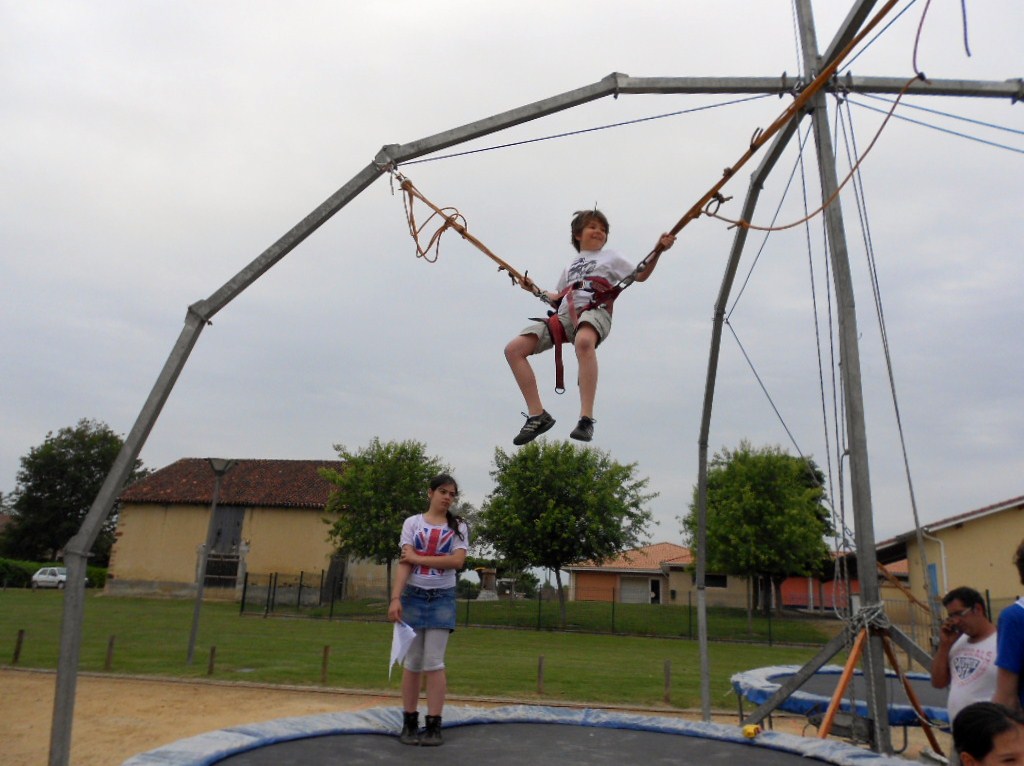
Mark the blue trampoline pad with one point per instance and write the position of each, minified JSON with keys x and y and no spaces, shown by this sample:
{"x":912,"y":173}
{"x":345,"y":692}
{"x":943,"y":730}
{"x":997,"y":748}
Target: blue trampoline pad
{"x":813,"y":697}
{"x":518,"y":734}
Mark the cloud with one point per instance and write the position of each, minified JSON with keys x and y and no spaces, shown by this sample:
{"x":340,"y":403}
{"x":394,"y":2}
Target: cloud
{"x":152,"y":151}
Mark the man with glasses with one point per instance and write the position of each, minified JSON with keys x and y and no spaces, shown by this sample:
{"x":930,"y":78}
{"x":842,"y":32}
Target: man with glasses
{"x":965,"y":658}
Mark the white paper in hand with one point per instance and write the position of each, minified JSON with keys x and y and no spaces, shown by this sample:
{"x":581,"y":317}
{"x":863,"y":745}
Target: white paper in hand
{"x":401,"y":639}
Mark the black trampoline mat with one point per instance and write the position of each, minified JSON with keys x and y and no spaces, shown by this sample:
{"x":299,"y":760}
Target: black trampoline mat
{"x":824,"y":684}
{"x":522,"y":744}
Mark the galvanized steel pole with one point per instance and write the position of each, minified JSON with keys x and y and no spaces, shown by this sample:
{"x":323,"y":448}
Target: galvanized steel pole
{"x":849,"y":352}
{"x":200,"y":313}
{"x":220,"y":467}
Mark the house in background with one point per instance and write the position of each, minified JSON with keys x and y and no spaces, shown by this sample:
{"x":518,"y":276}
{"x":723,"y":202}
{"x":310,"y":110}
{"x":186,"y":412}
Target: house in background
{"x":815,"y":593}
{"x":839,"y":587}
{"x":974,"y":548}
{"x":269,"y":519}
{"x":661,"y":573}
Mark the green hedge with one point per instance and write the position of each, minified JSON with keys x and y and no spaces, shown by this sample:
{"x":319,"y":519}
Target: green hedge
{"x":18,"y":574}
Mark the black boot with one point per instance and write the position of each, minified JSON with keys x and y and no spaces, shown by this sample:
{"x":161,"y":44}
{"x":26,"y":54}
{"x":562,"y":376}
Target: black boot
{"x":432,"y":735}
{"x":410,"y":728}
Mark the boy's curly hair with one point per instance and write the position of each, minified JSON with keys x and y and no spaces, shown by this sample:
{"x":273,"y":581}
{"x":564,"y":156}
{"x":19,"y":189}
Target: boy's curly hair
{"x":581,"y":218}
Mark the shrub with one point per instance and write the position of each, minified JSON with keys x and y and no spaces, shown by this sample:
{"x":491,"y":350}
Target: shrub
{"x":97,"y":576}
{"x":18,"y":574}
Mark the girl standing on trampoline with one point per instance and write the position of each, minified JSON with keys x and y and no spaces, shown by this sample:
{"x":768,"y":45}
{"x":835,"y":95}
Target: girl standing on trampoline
{"x":434,"y":546}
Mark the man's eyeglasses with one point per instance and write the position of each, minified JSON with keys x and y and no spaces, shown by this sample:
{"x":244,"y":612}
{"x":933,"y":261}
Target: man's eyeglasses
{"x":962,"y":612}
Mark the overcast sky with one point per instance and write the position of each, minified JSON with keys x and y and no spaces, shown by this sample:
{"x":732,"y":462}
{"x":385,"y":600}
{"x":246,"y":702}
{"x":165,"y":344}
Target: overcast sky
{"x":151,"y":150}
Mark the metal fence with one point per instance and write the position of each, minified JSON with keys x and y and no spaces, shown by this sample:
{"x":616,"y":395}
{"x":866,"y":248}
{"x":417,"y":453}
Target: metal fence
{"x":312,"y":594}
{"x":274,"y":592}
{"x":221,"y":570}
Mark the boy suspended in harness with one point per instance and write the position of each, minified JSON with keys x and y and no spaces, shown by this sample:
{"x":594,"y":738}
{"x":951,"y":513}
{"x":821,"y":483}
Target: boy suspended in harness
{"x":584,"y":296}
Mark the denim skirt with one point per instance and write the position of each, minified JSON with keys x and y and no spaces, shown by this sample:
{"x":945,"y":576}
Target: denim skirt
{"x":423,"y":609}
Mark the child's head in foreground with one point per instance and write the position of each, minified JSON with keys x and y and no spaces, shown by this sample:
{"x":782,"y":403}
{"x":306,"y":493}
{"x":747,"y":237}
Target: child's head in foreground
{"x":986,"y":734}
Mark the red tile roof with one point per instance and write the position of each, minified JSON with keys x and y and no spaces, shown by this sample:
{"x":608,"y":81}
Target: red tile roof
{"x":899,"y":568}
{"x":647,"y":558}
{"x":271,"y":483}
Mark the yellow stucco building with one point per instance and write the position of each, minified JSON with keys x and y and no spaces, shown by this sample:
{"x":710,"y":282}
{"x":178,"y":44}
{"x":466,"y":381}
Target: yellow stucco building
{"x":973,"y":549}
{"x":268,"y":519}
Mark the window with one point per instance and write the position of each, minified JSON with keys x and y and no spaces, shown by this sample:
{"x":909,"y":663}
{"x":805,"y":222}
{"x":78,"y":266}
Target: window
{"x":712,"y":580}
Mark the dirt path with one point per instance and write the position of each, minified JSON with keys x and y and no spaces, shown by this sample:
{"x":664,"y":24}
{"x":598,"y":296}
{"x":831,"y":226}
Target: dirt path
{"x":118,"y":717}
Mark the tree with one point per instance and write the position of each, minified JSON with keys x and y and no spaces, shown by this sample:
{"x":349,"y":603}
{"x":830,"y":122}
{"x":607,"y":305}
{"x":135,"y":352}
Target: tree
{"x":377,"y":489}
{"x":556,"y":504}
{"x":765,"y":515}
{"x":57,"y":484}
{"x":467,"y":589}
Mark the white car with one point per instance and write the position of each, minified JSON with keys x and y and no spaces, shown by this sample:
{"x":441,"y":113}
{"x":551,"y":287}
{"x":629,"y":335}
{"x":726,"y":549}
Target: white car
{"x":50,"y":577}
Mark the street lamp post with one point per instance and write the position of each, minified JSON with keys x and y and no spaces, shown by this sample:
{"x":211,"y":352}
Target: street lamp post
{"x":220,"y":467}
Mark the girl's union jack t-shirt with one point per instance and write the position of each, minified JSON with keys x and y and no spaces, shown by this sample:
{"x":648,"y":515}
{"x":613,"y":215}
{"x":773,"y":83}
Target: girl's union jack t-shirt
{"x":432,"y":540}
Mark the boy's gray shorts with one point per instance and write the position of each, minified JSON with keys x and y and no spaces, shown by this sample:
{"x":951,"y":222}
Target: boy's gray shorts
{"x":598,"y":318}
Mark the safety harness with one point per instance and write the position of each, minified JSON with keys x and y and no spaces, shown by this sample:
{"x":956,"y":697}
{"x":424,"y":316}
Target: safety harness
{"x":604,"y":295}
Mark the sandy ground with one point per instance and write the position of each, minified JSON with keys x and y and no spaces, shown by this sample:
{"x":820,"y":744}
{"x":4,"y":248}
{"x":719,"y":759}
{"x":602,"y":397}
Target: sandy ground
{"x":118,"y":717}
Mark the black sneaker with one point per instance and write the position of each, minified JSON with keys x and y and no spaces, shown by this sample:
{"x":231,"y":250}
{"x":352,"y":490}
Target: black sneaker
{"x":534,"y":426}
{"x":584,"y":430}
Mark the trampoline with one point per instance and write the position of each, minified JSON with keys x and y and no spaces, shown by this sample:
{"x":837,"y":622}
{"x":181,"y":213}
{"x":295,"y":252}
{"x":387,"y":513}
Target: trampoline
{"x":517,"y":734}
{"x":813,"y":697}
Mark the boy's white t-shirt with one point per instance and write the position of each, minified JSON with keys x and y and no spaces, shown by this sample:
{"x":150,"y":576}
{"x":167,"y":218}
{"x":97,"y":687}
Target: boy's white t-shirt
{"x":432,"y":540}
{"x":606,"y":264}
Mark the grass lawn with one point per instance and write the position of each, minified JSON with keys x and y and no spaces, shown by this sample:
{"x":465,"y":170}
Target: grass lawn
{"x":151,"y":638}
{"x":659,"y":620}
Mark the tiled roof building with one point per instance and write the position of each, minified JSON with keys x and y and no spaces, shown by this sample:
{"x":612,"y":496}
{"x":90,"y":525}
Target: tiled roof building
{"x":269,"y":519}
{"x":270,"y":483}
